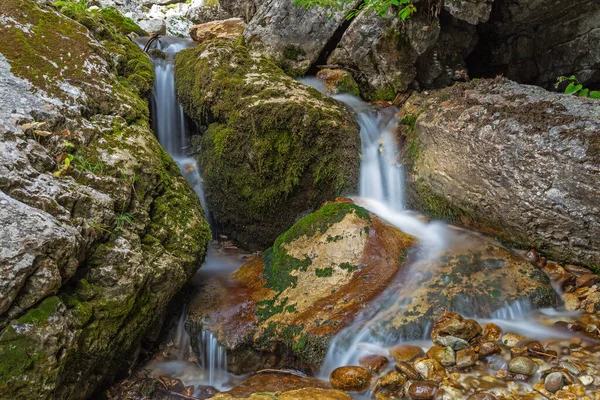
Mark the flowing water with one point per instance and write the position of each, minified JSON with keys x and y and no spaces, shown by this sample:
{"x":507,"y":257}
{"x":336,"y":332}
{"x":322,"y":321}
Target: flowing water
{"x":381,"y":192}
{"x":210,"y":366}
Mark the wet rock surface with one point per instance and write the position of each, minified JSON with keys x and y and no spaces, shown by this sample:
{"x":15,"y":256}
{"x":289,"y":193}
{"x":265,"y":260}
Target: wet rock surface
{"x":511,"y":179}
{"x":98,"y":227}
{"x":230,"y":29}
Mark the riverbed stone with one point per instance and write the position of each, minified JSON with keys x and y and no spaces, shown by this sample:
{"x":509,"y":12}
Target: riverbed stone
{"x":407,"y":370}
{"x":230,"y":29}
{"x":423,"y":390}
{"x":466,"y":358}
{"x":373,"y":362}
{"x":406,"y":353}
{"x":351,"y":379}
{"x":430,"y":369}
{"x":444,"y":355}
{"x":554,"y":382}
{"x":390,"y":385}
{"x":522,"y":365}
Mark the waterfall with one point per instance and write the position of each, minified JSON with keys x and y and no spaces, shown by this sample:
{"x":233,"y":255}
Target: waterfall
{"x":168,"y":117}
{"x":169,"y":126}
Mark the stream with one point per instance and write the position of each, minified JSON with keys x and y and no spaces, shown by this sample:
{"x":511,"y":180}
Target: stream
{"x":381,"y":192}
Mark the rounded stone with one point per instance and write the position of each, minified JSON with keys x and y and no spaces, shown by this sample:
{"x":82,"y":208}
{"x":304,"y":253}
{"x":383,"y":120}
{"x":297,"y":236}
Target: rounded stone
{"x":406,"y":353}
{"x":351,"y":379}
{"x":466,"y":358}
{"x":373,"y":362}
{"x":554,"y":382}
{"x":444,"y":355}
{"x":407,"y":370}
{"x":430,"y":369}
{"x":491,"y":332}
{"x":482,"y":396}
{"x":522,"y":365}
{"x":423,"y":390}
{"x":391,"y":385}
{"x":489,"y":348}
{"x":512,"y":339}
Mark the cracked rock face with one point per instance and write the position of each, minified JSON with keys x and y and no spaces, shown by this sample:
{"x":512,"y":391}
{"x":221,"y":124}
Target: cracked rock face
{"x":515,"y":161}
{"x":98,"y":230}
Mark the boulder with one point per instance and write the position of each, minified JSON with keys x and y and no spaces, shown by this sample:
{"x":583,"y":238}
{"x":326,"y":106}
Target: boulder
{"x":338,"y":81}
{"x":535,"y":42}
{"x":292,"y":36}
{"x":272,"y":148}
{"x":244,"y":9}
{"x":204,"y":14}
{"x":154,"y":26}
{"x":99,"y":229}
{"x":283,"y":307}
{"x":385,"y":51}
{"x":514,"y":161}
{"x":227,"y":29}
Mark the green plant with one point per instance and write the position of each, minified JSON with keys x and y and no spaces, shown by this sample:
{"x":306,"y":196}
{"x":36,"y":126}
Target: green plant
{"x":83,"y":164}
{"x":79,"y":6}
{"x":405,"y":7}
{"x":124,"y":219}
{"x":97,"y":227}
{"x":65,"y":167}
{"x":574,"y":87}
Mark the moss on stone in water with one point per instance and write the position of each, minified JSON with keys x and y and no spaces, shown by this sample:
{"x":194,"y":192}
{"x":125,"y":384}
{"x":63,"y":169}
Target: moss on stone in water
{"x":279,"y":264}
{"x":348,"y":267}
{"x":324,"y":272}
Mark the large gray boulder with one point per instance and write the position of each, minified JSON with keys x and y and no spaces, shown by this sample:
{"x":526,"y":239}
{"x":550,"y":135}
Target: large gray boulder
{"x":514,"y":161}
{"x":98,"y":229}
{"x":293,"y":37}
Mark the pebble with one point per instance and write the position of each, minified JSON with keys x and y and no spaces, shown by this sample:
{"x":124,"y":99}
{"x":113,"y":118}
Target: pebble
{"x":522,"y":365}
{"x":586,"y":380}
{"x":554,"y":382}
{"x":587,"y":280}
{"x":430,"y":369}
{"x":408,"y":370}
{"x":444,"y":355}
{"x":351,"y":379}
{"x":406,"y":353}
{"x":482,"y":396}
{"x":512,"y":339}
{"x":466,"y":358}
{"x":423,"y":390}
{"x":390,"y":385}
{"x":489,"y":348}
{"x":577,"y":270}
{"x":373,"y":362}
{"x":491,"y":332}
{"x":565,"y":395}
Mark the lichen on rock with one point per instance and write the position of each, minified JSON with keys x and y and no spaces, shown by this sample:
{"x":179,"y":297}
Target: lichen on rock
{"x":274,"y":148}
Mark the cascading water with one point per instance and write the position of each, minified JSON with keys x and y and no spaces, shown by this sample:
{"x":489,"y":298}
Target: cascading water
{"x":169,"y":126}
{"x":168,"y":117}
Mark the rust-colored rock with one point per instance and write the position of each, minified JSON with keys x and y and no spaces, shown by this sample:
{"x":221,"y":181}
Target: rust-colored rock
{"x":491,"y":332}
{"x":423,"y":390}
{"x":444,"y":355}
{"x":407,"y":370}
{"x":406,"y":353}
{"x":231,"y":29}
{"x":489,"y":348}
{"x":273,"y":381}
{"x":587,"y":280}
{"x":452,"y":325}
{"x":430,"y":369}
{"x":466,"y":358}
{"x":338,"y":81}
{"x":373,"y":362}
{"x":390,"y":386}
{"x":351,"y":379}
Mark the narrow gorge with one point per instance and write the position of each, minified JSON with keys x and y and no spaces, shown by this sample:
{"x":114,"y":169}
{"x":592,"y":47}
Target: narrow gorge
{"x":269,"y":199}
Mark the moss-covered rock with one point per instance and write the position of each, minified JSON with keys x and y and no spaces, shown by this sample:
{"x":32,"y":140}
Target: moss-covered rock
{"x":274,"y":148}
{"x":311,"y":284}
{"x":101,"y":228}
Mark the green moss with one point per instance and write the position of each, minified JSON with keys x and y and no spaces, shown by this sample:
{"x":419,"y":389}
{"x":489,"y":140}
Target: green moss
{"x":348,"y":85}
{"x":157,"y":53}
{"x":123,"y":24}
{"x":39,"y":314}
{"x":437,"y":206}
{"x":293,"y":52}
{"x":324,"y":272}
{"x":384,"y":93}
{"x":348,"y":267}
{"x":267,"y":308}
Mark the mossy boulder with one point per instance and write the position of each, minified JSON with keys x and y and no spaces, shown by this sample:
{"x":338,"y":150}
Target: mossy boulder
{"x":513,"y":161}
{"x":98,"y":226}
{"x":286,"y":305}
{"x":274,"y":149}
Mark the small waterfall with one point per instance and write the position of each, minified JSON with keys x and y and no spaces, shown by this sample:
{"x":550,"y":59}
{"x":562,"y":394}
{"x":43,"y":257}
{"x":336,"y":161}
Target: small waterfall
{"x":168,"y":117}
{"x":213,"y":359}
{"x":169,"y":126}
